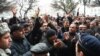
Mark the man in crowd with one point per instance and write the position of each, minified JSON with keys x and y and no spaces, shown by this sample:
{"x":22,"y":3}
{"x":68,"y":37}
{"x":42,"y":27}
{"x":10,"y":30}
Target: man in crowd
{"x":20,"y":45}
{"x":53,"y":43}
{"x":50,"y":44}
{"x":5,"y":40}
{"x":70,"y":39}
{"x":82,"y":28}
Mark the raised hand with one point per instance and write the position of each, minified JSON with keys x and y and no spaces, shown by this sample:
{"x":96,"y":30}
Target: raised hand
{"x":37,"y":11}
{"x":14,"y":10}
{"x":58,"y":43}
{"x":66,"y":35}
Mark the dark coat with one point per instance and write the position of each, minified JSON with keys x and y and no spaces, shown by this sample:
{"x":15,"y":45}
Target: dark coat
{"x":13,"y":20}
{"x":70,"y":50}
{"x":35,"y":35}
{"x":20,"y":48}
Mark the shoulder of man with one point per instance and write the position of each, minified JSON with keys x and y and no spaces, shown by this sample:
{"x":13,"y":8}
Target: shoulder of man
{"x":6,"y":52}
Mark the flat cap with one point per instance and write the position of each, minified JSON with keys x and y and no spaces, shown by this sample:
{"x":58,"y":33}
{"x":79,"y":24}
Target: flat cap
{"x":40,"y":48}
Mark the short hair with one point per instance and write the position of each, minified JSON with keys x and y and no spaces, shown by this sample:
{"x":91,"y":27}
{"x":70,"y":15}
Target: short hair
{"x":16,"y":27}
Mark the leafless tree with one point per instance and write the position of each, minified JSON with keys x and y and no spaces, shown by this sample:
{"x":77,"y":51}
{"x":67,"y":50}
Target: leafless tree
{"x":65,"y":5}
{"x":5,"y":5}
{"x":90,"y":2}
{"x":30,"y":5}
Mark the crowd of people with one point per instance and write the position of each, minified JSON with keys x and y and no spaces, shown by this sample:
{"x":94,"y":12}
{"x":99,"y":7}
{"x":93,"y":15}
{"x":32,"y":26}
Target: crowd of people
{"x":49,"y":36}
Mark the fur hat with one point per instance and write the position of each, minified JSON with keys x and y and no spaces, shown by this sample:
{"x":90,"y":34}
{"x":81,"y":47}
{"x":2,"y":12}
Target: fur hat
{"x":4,"y":28}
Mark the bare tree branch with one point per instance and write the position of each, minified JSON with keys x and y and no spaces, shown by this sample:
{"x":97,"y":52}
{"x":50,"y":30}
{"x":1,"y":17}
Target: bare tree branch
{"x":5,"y":6}
{"x":65,"y":5}
{"x":91,"y":2}
{"x":30,"y":6}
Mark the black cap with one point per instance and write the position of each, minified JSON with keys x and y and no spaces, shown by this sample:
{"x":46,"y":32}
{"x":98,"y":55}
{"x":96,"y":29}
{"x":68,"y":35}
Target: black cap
{"x":16,"y":27}
{"x":50,"y":33}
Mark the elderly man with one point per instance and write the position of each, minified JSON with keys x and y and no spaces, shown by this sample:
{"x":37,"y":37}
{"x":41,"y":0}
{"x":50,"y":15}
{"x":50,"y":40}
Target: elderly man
{"x":5,"y":40}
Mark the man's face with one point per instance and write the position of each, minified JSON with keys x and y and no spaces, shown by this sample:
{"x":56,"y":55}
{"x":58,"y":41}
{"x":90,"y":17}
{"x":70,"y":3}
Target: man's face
{"x":66,"y":24}
{"x":92,"y":24}
{"x":53,"y":38}
{"x":72,"y":28}
{"x":44,"y":27}
{"x":19,"y":34}
{"x":82,"y":28}
{"x":27,"y":29}
{"x":5,"y":41}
